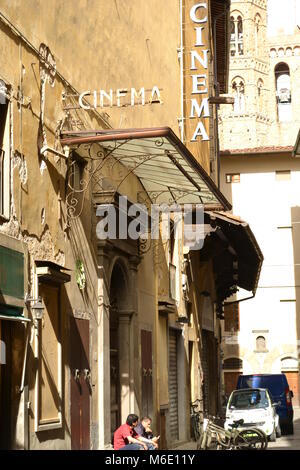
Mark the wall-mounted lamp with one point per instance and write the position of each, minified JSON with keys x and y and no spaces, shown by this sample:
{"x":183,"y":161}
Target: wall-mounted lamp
{"x":37,"y":308}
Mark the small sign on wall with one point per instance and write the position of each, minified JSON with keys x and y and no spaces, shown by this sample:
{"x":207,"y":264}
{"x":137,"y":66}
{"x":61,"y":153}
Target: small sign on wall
{"x":2,"y":352}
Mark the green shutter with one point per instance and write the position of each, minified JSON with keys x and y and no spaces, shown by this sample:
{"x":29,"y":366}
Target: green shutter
{"x":10,"y":311}
{"x":11,"y":273}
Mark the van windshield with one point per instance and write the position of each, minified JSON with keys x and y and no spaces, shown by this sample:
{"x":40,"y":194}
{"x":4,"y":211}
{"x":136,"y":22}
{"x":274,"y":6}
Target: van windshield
{"x":248,"y":399}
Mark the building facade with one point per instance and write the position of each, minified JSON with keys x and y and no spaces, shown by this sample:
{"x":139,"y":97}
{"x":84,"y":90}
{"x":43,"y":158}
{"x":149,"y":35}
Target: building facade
{"x":93,"y":124}
{"x":260,"y":178}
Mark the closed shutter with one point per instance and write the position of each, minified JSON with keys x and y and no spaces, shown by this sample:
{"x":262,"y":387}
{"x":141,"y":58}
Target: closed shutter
{"x":205,"y":371}
{"x":173,"y":385}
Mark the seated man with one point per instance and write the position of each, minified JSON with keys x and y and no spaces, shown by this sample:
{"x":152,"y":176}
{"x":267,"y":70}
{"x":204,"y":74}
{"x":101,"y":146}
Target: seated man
{"x":125,"y":437}
{"x":146,"y":434}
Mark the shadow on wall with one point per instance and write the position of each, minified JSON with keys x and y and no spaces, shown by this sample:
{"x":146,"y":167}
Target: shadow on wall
{"x":295,"y":220}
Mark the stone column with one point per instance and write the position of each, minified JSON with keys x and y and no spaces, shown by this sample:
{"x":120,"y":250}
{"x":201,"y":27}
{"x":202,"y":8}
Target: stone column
{"x":135,"y":366}
{"x":103,"y":353}
{"x":125,"y":362}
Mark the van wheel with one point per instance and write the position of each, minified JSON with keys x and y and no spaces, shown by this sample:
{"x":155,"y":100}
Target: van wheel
{"x":289,"y":429}
{"x":273,"y":436}
{"x":278,"y":430}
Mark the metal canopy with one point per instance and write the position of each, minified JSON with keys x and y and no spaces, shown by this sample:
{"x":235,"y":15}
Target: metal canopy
{"x":167,"y":170}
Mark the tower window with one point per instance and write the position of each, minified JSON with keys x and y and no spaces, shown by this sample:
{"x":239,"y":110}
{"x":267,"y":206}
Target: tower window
{"x":232,"y":178}
{"x":260,"y":344}
{"x":283,"y":92}
{"x":236,"y":35}
{"x":238,"y":91}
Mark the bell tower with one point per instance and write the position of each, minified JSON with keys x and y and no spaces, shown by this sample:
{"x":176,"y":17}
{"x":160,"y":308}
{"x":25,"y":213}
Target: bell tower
{"x":246,"y":123}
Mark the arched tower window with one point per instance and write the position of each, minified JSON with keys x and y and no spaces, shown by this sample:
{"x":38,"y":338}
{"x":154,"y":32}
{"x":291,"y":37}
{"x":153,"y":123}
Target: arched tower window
{"x":238,"y":90}
{"x":257,"y":29}
{"x":260,"y":96}
{"x":260,"y":343}
{"x":236,"y":34}
{"x":283,"y":92}
{"x":233,"y":363}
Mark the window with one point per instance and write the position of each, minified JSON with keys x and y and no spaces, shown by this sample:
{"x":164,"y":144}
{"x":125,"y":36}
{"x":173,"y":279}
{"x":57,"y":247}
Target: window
{"x":283,"y":175}
{"x":260,"y":96}
{"x":261,"y":344}
{"x":236,"y":35}
{"x":76,"y":173}
{"x":283,"y":92}
{"x":4,"y":151}
{"x":232,"y":178}
{"x":238,"y":91}
{"x":257,"y":26}
{"x":232,"y":317}
{"x":233,"y":363}
{"x":48,"y":411}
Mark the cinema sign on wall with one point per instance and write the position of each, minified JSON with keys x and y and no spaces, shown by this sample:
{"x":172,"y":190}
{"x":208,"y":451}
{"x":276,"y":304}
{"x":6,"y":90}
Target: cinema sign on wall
{"x":198,"y":67}
{"x":120,"y":97}
{"x":199,"y":107}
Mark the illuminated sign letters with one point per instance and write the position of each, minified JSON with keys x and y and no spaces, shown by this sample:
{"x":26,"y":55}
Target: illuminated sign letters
{"x":199,"y":63}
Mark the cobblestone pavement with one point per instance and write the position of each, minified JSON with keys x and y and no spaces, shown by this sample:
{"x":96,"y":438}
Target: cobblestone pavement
{"x":289,"y":442}
{"x":282,"y":443}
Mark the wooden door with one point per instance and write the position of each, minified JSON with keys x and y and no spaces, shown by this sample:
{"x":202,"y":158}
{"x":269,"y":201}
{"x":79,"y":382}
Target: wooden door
{"x":6,"y":388}
{"x":115,"y":388}
{"x":230,"y":379}
{"x":293,"y":380}
{"x":80,"y":385}
{"x":147,"y":384}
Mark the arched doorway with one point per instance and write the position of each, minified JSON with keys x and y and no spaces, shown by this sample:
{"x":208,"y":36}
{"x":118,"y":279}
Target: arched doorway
{"x":119,"y":344}
{"x":289,"y":366}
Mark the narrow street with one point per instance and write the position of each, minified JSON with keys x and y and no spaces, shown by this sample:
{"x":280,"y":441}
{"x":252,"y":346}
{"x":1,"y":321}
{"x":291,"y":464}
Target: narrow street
{"x":282,"y":443}
{"x":289,"y":442}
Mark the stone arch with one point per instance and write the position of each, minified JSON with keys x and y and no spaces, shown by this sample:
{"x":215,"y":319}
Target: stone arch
{"x":120,"y":313}
{"x":233,"y":363}
{"x":288,"y":362}
{"x":296,"y":50}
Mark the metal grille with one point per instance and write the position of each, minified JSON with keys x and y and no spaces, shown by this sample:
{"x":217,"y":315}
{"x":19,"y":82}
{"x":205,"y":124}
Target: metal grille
{"x":173,"y":385}
{"x":233,"y":363}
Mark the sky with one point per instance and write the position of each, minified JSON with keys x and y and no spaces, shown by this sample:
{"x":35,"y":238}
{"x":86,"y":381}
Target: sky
{"x":283,"y":15}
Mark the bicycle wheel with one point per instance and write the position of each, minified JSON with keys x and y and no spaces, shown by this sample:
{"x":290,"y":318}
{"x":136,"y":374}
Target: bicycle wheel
{"x":222,"y":441}
{"x":250,"y":439}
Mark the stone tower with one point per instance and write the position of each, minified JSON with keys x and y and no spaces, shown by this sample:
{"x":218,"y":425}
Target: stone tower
{"x":264,"y":68}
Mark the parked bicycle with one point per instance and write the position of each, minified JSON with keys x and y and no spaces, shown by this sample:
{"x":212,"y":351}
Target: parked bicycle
{"x":196,"y":419}
{"x":214,"y":436}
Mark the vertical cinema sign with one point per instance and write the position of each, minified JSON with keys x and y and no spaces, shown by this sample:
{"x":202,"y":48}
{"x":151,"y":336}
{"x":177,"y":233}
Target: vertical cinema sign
{"x":198,"y":66}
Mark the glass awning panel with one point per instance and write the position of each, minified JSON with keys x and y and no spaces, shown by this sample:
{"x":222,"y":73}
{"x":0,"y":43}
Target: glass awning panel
{"x":167,"y":170}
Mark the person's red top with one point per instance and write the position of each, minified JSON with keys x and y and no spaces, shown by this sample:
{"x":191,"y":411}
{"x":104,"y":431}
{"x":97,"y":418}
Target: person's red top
{"x":121,"y":434}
